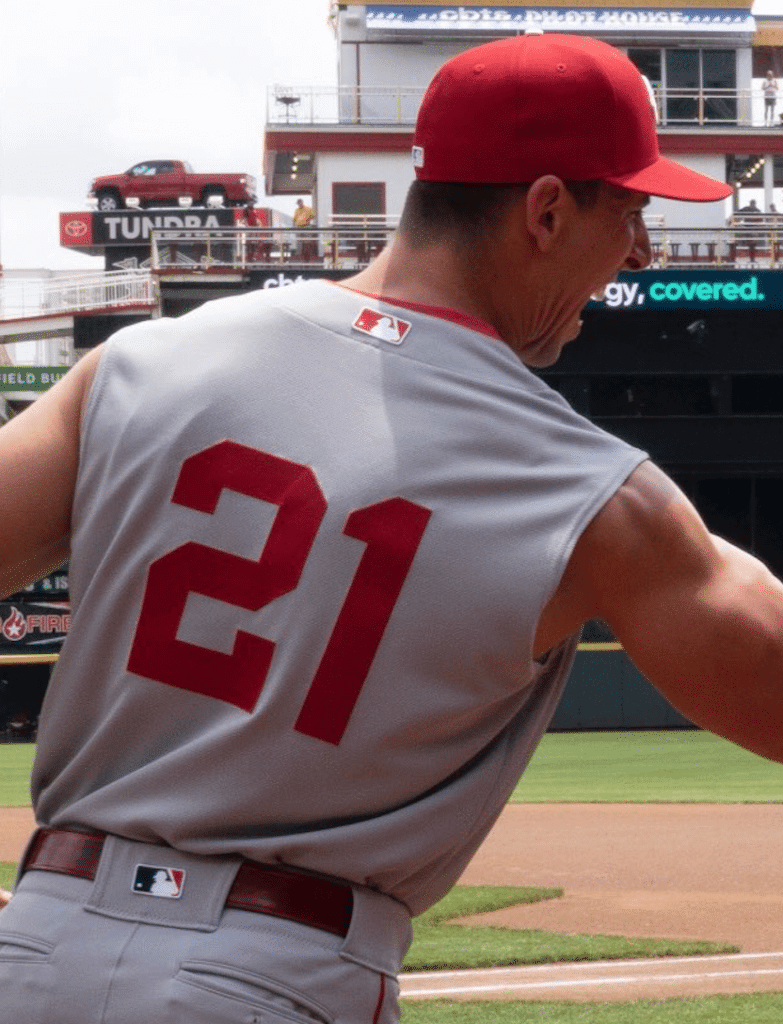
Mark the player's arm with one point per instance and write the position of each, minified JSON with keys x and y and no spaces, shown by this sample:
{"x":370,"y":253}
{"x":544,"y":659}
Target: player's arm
{"x":700,"y":618}
{"x":39,"y":459}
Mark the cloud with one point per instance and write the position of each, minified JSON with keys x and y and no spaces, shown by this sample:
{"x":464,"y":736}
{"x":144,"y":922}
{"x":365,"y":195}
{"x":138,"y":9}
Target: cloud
{"x":90,"y":88}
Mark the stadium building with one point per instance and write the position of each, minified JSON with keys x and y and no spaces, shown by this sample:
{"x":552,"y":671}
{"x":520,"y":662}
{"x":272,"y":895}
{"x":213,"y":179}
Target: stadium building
{"x":684,"y":359}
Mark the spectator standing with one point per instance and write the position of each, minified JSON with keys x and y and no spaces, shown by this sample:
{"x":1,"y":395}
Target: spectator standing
{"x":770,"y":90}
{"x":304,"y":216}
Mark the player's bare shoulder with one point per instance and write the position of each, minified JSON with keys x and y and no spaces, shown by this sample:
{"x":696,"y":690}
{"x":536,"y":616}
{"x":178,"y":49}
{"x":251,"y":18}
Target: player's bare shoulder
{"x":646,"y":538}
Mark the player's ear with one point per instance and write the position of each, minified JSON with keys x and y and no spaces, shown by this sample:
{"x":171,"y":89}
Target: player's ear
{"x":548,"y":205}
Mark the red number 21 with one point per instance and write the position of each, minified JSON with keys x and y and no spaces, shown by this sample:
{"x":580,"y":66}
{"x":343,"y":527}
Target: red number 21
{"x":392,"y":531}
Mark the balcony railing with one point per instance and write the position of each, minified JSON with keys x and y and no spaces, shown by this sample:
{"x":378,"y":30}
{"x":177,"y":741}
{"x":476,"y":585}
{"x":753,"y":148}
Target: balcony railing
{"x":745,"y":242}
{"x":395,"y":105}
{"x":347,"y":244}
{"x":344,"y":105}
{"x":22,"y":298}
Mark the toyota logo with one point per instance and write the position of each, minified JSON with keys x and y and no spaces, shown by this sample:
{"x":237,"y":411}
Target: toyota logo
{"x":76,"y":228}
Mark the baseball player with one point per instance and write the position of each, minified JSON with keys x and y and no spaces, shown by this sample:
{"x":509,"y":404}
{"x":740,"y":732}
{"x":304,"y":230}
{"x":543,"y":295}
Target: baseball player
{"x":330,"y":551}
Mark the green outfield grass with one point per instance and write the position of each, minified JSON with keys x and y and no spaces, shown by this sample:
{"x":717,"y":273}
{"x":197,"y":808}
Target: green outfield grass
{"x":668,"y":766}
{"x":671,"y":766}
{"x":16,"y":762}
{"x":762,"y":1008}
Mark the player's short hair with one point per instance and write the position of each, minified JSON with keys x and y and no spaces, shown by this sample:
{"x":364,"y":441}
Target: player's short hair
{"x":434,"y":208}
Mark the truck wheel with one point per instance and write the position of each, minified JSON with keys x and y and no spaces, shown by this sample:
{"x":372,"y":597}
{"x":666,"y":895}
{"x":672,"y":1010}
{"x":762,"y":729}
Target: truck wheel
{"x":108,"y":199}
{"x":213,"y":190}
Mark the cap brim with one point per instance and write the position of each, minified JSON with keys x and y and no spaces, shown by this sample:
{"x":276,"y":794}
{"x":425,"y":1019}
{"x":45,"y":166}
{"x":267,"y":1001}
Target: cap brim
{"x":671,"y":180}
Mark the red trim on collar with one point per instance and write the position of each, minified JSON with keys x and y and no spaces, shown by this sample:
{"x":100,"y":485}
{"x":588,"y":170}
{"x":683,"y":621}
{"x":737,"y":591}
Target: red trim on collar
{"x":474,"y":323}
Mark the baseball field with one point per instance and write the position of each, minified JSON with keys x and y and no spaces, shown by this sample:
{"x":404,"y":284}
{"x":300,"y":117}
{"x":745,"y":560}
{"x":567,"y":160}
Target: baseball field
{"x":634,"y":877}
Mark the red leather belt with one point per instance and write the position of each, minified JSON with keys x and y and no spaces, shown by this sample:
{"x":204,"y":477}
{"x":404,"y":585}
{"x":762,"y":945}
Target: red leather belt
{"x":259,"y":888}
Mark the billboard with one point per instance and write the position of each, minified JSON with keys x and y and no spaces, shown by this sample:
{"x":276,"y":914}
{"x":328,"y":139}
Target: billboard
{"x":693,"y":289}
{"x":596,"y":20}
{"x":33,"y":627}
{"x":30,"y":378}
{"x":92,"y":232}
{"x":55,"y":585}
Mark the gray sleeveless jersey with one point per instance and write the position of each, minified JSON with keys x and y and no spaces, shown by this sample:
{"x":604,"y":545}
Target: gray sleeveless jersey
{"x":312,"y":537}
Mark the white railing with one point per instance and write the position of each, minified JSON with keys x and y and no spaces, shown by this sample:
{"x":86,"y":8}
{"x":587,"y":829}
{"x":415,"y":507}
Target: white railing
{"x":304,"y":105}
{"x":352,"y":242}
{"x":745,"y":241}
{"x":22,"y":298}
{"x":344,"y":105}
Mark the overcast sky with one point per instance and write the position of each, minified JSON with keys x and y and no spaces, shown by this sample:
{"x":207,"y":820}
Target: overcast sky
{"x":91,"y":87}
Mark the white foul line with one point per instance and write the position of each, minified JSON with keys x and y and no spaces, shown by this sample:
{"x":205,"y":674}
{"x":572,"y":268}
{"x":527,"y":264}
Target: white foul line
{"x":588,"y":965}
{"x":633,"y":979}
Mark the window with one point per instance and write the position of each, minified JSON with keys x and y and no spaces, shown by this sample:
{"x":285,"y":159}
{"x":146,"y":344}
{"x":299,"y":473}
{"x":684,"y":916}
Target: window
{"x":648,"y":63}
{"x":363,"y":198}
{"x":697,"y":85}
{"x":682,"y":85}
{"x":719,"y":82}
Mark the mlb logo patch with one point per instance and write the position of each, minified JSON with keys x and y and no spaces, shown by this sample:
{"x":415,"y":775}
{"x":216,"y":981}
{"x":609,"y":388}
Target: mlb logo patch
{"x":150,"y":880}
{"x":381,"y":325}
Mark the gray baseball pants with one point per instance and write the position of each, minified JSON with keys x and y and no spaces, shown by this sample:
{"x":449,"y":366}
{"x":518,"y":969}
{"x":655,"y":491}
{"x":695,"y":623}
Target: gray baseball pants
{"x":74,"y":951}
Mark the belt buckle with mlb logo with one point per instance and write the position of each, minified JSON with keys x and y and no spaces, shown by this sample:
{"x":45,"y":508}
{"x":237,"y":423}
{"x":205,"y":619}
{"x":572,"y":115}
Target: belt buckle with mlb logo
{"x":153,"y":880}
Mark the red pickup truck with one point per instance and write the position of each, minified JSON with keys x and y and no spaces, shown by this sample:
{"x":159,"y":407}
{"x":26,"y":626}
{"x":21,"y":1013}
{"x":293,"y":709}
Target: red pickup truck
{"x":163,"y":182}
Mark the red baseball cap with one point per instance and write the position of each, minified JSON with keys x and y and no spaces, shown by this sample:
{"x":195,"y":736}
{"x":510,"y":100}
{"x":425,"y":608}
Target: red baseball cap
{"x":515,"y":109}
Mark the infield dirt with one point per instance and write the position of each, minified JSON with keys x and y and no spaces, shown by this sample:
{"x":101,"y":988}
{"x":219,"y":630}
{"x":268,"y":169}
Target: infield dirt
{"x":687,"y":871}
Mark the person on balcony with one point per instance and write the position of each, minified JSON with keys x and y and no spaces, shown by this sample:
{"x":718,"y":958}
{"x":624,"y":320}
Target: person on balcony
{"x":303,"y":217}
{"x":770,"y":90}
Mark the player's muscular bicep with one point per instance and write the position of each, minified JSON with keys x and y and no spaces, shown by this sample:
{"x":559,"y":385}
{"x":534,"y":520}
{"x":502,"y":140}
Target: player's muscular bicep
{"x":39,"y":457}
{"x":700,"y":618}
{"x":603,"y":575}
{"x":647,"y":541}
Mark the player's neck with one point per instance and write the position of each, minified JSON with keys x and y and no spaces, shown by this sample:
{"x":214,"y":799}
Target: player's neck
{"x":432,"y":278}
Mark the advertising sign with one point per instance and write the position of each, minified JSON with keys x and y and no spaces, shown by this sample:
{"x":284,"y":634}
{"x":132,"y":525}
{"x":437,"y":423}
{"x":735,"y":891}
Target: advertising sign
{"x":93,"y":230}
{"x":55,"y":585}
{"x":30,"y":378}
{"x":593,"y":20}
{"x":282,"y":279}
{"x":123,"y":227}
{"x":33,"y":627}
{"x":76,"y":230}
{"x":694,"y":289}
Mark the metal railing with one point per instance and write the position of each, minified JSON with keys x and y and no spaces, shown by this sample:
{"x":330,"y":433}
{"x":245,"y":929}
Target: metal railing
{"x":751,"y":241}
{"x":397,"y":105}
{"x":344,"y":105}
{"x":22,"y":298}
{"x":350,"y":244}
